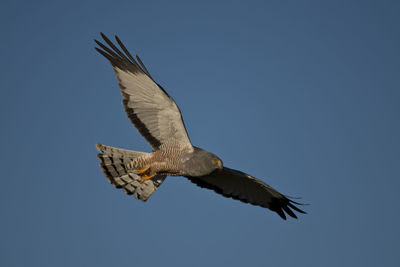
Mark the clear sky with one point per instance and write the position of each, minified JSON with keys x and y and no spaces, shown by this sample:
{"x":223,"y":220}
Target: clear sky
{"x":301,"y":94}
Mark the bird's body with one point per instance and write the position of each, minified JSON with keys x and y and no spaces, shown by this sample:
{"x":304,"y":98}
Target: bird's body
{"x":158,"y":119}
{"x":173,"y":160}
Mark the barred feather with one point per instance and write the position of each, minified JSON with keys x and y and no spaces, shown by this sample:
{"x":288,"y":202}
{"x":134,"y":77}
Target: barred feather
{"x":113,"y":162}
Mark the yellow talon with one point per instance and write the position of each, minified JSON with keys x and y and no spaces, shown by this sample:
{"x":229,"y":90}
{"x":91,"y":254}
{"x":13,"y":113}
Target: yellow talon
{"x":146,"y":177}
{"x":140,"y":171}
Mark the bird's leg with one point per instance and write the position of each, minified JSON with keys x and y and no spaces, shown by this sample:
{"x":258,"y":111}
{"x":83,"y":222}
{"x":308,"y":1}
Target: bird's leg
{"x":144,"y":168}
{"x":141,"y":171}
{"x":145,"y":174}
{"x":146,"y":177}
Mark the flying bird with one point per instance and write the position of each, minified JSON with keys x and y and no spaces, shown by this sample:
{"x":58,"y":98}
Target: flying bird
{"x":158,"y":119}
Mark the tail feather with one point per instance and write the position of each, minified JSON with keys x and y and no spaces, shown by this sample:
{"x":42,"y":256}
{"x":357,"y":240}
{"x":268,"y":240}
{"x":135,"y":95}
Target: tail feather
{"x":113,"y":162}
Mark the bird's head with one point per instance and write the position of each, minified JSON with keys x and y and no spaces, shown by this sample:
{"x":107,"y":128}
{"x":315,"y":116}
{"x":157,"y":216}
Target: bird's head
{"x":200,"y":162}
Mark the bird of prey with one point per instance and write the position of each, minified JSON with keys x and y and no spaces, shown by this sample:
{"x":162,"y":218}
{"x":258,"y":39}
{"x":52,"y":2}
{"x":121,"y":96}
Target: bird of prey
{"x":158,"y":119}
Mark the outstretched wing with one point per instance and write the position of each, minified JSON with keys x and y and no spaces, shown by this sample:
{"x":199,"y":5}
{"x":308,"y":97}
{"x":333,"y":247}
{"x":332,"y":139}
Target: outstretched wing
{"x":148,"y":106}
{"x":246,"y":188}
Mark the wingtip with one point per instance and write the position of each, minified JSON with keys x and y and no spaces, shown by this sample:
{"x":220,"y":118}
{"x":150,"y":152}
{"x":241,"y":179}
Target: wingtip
{"x":281,"y":213}
{"x":97,"y":42}
{"x":290,"y":205}
{"x":285,"y":208}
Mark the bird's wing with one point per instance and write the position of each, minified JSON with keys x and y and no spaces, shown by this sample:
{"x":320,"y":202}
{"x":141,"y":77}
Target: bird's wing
{"x":148,"y":106}
{"x":246,"y":188}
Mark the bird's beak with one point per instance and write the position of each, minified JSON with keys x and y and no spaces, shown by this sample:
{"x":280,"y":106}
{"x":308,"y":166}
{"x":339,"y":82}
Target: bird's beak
{"x":220,"y":165}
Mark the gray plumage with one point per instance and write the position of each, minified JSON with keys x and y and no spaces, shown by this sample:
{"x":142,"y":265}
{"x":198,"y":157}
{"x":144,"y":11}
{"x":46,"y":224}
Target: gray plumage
{"x":158,"y":119}
{"x":113,"y":162}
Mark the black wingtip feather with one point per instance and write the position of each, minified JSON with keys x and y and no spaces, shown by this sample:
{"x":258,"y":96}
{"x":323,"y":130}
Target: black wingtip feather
{"x":278,"y":205}
{"x":107,"y":56}
{"x":124,"y":48}
{"x":280,"y":213}
{"x":123,"y":60}
{"x":143,"y":66}
{"x":296,"y":208}
{"x":289,"y":211}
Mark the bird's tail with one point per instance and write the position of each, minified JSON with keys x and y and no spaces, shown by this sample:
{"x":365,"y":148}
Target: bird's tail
{"x":113,"y":162}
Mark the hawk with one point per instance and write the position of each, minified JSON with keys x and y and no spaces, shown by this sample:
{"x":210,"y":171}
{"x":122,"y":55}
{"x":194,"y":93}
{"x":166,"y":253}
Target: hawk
{"x":158,"y":119}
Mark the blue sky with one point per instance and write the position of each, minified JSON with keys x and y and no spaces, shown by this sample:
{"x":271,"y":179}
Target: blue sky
{"x":301,"y":94}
